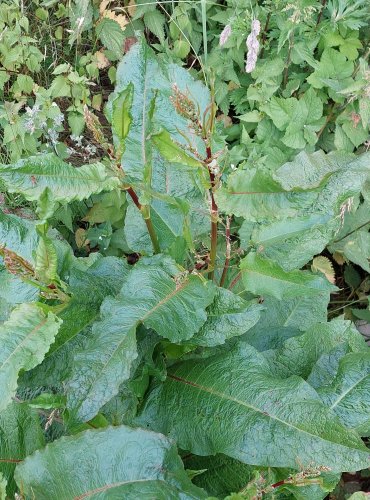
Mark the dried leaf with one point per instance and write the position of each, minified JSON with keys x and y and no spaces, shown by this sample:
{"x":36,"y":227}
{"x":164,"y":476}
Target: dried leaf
{"x":324,"y":265}
{"x":121,"y":19}
{"x":101,"y":60}
{"x":80,"y":236}
{"x":131,"y":8}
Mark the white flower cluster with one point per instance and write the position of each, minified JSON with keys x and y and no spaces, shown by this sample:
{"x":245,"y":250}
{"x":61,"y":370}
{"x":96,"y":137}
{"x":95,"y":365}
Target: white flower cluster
{"x":37,"y":121}
{"x":225,"y":35}
{"x":253,"y":46}
{"x":87,"y":151}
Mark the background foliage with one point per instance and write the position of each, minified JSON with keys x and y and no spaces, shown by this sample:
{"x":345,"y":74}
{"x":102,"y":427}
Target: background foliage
{"x":184,"y":249}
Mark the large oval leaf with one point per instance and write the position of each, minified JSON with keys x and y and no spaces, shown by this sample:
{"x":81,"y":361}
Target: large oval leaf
{"x":349,"y":394}
{"x":263,"y":276}
{"x":232,"y":404}
{"x":150,"y":295}
{"x":33,"y":175}
{"x":24,"y":340}
{"x":21,"y":435}
{"x":118,"y":462}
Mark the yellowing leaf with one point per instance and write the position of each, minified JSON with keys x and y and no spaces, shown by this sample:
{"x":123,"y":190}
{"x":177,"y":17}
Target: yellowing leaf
{"x":324,"y":265}
{"x":103,"y":6}
{"x":121,"y":19}
{"x":101,"y":60}
{"x":131,"y":8}
{"x":80,"y":237}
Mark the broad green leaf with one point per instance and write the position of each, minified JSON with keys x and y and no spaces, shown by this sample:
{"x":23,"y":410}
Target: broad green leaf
{"x":223,"y":475}
{"x":172,"y":151}
{"x":355,"y":248}
{"x":357,"y":134}
{"x":18,"y":235}
{"x":359,"y":495}
{"x":153,"y":86}
{"x":169,"y":221}
{"x":121,"y":118}
{"x":282,"y":319}
{"x":81,"y":17}
{"x":90,"y":281}
{"x":299,"y":119}
{"x":154,"y":20}
{"x":102,"y":364}
{"x":151,"y":293}
{"x":31,"y":176}
{"x":88,"y":288}
{"x":333,"y":65}
{"x":232,"y":404}
{"x":310,"y":171}
{"x":343,"y":184}
{"x":293,"y":242}
{"x":118,"y":462}
{"x":263,"y":276}
{"x":25,"y":338}
{"x":46,"y":260}
{"x":15,"y":291}
{"x":3,"y":485}
{"x":257,"y":197}
{"x":298,"y":355}
{"x":21,"y":435}
{"x":348,"y":395}
{"x":145,"y":78}
{"x":228,"y":316}
{"x":111,"y":35}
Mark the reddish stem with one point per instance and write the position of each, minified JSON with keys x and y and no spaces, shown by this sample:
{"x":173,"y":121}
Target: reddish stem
{"x":235,"y":280}
{"x":214,"y":216}
{"x":134,"y":197}
{"x":279,"y":483}
{"x":228,"y":252}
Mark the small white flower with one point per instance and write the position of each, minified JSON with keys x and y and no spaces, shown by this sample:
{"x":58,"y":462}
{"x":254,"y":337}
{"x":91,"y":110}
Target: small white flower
{"x":77,"y":139}
{"x":29,"y":125}
{"x":225,"y":35}
{"x":33,"y":112}
{"x":53,"y":136}
{"x":232,"y":166}
{"x":58,"y":120}
{"x":90,"y":149}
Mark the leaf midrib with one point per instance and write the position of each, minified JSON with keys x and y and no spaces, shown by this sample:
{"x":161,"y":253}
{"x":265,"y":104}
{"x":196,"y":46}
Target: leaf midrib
{"x":110,"y":486}
{"x":124,"y":339}
{"x":348,"y":391}
{"x":221,"y":395}
{"x":32,"y":332}
{"x":57,"y":176}
{"x":248,"y":270}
